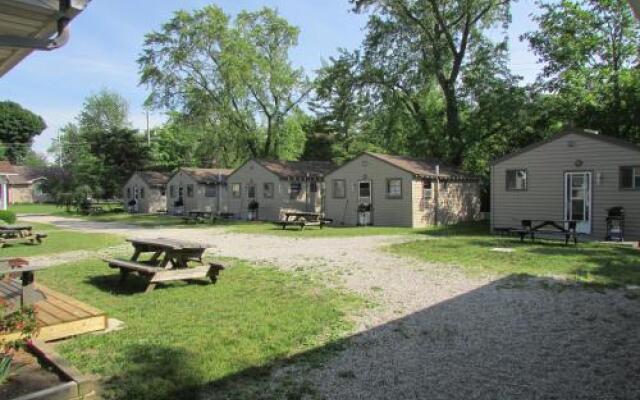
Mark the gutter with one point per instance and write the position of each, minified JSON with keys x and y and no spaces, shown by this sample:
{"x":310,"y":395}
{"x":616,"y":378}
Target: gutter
{"x":46,"y":44}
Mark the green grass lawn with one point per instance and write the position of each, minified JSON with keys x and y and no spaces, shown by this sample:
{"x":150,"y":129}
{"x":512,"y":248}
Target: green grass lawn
{"x":183,"y":336}
{"x":471,"y":249}
{"x":45,"y":208}
{"x":60,"y":241}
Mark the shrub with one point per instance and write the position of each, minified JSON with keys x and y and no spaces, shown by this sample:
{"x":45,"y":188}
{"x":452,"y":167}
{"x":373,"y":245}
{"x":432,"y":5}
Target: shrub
{"x":23,"y":322}
{"x":8,"y":216}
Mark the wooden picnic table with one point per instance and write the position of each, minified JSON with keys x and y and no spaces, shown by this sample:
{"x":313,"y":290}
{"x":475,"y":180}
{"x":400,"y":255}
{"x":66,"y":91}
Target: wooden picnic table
{"x":29,"y":294}
{"x":19,"y":233}
{"x":170,"y":260}
{"x":533,"y":227}
{"x":303,"y":219}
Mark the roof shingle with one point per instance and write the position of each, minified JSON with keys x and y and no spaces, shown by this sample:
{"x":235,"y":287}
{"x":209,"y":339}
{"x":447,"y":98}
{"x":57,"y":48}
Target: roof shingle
{"x":154,"y":178}
{"x":208,"y":175}
{"x":298,"y":169}
{"x":423,"y":167}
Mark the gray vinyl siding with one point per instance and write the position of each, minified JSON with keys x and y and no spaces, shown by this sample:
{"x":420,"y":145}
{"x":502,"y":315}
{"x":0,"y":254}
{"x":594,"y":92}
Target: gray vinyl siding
{"x":270,"y":209}
{"x":154,"y":201}
{"x":385,"y":211}
{"x":198,"y":201}
{"x":544,"y":197}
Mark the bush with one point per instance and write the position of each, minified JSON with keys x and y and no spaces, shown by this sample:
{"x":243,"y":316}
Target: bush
{"x":8,"y":216}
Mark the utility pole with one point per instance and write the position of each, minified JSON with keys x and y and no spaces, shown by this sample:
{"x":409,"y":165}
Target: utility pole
{"x":148,"y":131}
{"x":59,"y":150}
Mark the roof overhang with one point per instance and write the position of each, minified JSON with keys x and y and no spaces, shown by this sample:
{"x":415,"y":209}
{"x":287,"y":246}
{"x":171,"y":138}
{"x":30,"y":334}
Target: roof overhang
{"x":28,"y":25}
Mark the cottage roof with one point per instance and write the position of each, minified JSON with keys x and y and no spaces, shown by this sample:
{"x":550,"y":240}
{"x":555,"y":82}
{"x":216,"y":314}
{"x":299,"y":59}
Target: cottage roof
{"x":6,"y":168}
{"x":154,"y":178}
{"x":571,"y":131}
{"x":423,"y":167}
{"x":26,"y":175}
{"x":298,"y":169}
{"x":207,"y":175}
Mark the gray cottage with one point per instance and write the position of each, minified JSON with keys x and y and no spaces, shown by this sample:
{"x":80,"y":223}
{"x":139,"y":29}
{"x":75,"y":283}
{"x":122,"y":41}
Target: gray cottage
{"x":144,"y":192}
{"x":387,"y":190}
{"x":277,"y":187}
{"x":197,"y":189}
{"x":576,"y":175}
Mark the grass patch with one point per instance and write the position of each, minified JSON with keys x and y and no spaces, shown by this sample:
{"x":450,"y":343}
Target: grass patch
{"x":471,"y":248}
{"x":181,"y":337}
{"x":60,"y":241}
{"x":39,"y":208}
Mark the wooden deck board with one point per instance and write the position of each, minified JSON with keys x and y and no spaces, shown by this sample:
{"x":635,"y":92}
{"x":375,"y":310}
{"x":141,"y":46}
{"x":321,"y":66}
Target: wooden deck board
{"x":59,"y":315}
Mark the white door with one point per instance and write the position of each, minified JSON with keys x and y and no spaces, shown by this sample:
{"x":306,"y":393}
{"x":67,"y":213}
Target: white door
{"x":578,"y":199}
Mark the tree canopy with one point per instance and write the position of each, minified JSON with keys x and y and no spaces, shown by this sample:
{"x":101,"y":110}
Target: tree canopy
{"x":18,"y":127}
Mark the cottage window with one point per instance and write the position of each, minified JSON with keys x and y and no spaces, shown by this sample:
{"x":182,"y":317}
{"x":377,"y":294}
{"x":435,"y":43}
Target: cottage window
{"x":339,"y":189}
{"x":129,"y":193}
{"x":517,"y":179}
{"x":236,"y":190}
{"x":630,"y":178}
{"x":180,"y":192}
{"x":313,"y":187}
{"x":394,"y":188}
{"x":267,"y":190}
{"x":210,"y":191}
{"x":427,"y":189}
{"x":135,"y":192}
{"x":172,"y":191}
{"x":295,"y":189}
{"x":142,"y":193}
{"x":251,"y":191}
{"x":163,"y":191}
{"x":189,"y":190}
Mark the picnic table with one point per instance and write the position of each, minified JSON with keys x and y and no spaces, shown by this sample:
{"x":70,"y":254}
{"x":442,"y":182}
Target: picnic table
{"x":19,"y":233}
{"x":29,"y":294}
{"x":170,"y":260}
{"x":197,"y":216}
{"x":303,"y":219}
{"x":545,"y":227}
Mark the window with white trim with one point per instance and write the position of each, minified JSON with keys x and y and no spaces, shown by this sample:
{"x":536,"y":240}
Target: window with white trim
{"x":210,"y":191}
{"x":427,"y":189}
{"x":236,"y":190}
{"x":630,"y":178}
{"x":394,"y":188}
{"x":339,"y":188}
{"x":267,"y":190}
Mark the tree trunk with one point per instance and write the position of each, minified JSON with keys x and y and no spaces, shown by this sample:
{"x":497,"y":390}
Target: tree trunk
{"x":453,"y":122}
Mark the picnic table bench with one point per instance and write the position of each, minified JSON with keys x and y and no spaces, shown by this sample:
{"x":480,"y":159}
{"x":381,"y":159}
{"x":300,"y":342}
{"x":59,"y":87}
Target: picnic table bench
{"x":304,"y":219}
{"x":533,"y":228}
{"x":169,"y":262}
{"x":10,"y":234}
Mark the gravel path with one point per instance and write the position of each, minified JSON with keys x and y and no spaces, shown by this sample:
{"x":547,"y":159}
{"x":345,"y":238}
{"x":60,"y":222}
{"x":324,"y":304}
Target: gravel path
{"x":440,"y":334}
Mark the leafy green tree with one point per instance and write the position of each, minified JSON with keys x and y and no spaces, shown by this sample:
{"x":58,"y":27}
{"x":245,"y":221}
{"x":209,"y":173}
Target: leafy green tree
{"x":18,"y":127}
{"x":590,"y":53}
{"x":236,"y":73}
{"x":412,"y":42}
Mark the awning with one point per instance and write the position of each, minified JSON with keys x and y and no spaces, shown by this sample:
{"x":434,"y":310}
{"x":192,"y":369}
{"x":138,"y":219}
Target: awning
{"x":27,"y":25}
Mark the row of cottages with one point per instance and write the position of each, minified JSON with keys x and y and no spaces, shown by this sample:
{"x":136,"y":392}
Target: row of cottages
{"x":380,"y":189}
{"x":577,"y":175}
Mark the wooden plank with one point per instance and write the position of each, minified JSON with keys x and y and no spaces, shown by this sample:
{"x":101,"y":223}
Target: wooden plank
{"x":73,"y":328}
{"x":71,"y":309}
{"x":180,"y":274}
{"x":44,"y":317}
{"x":57,"y":312}
{"x":70,"y":300}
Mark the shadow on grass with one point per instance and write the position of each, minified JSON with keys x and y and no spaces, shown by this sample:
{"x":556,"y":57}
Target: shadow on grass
{"x":134,"y":284}
{"x":513,"y":338}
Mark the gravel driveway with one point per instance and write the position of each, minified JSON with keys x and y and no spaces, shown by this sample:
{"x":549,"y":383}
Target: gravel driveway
{"x":440,"y":334}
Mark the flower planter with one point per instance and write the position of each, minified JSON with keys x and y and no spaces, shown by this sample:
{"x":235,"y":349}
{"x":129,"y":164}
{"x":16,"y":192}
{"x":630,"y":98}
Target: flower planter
{"x":364,"y":218}
{"x":57,"y":380}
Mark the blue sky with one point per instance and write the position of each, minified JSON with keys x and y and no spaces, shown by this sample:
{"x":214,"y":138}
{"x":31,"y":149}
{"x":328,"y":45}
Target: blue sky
{"x":107,"y":38}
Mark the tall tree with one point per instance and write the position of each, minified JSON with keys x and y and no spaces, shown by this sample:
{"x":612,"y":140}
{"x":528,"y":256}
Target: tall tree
{"x":431,"y":38}
{"x":590,"y":53}
{"x":18,"y":127}
{"x":237,"y":71}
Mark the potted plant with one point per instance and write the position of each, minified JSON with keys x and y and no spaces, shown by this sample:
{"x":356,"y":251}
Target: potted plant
{"x":364,"y":214}
{"x":252,"y":210}
{"x":22,"y":322}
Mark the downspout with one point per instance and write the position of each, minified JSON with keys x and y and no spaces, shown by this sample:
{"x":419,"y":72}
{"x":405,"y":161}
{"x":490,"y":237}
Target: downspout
{"x":436,"y":196}
{"x":60,"y":40}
